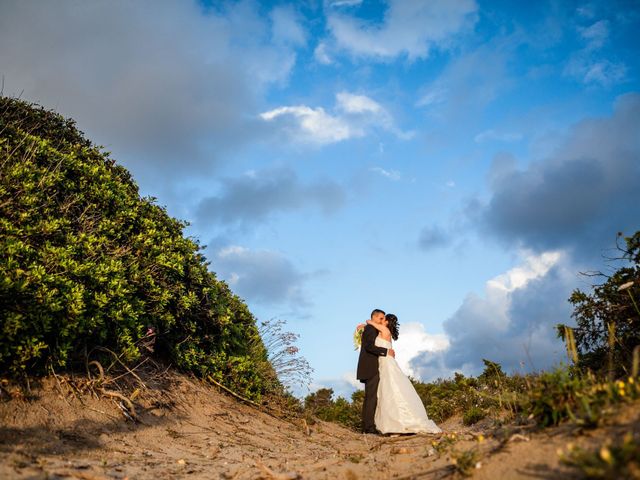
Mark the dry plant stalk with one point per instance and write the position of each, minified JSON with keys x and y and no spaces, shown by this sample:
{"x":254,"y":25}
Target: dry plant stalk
{"x":611,"y":327}
{"x":570,"y":343}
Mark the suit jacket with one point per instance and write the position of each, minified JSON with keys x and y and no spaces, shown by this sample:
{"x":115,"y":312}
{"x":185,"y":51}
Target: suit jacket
{"x":369,"y":353}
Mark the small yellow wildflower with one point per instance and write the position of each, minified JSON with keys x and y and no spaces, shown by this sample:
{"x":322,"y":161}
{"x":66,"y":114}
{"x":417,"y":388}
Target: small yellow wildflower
{"x":631,"y":380}
{"x":480,"y":438}
{"x":605,"y":454}
{"x":620,"y":384}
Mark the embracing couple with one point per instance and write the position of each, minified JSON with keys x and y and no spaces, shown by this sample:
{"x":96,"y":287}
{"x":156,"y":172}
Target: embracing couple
{"x":391,"y":404}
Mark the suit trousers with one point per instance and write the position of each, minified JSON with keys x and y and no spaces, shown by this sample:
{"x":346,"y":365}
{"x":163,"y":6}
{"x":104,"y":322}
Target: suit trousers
{"x":370,"y":403}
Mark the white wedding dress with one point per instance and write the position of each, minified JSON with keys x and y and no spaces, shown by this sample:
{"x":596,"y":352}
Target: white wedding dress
{"x":399,"y":409}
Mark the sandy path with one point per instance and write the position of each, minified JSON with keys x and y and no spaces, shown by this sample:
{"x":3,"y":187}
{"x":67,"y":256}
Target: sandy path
{"x":193,"y":431}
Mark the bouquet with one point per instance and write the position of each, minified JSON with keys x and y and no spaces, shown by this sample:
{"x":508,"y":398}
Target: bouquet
{"x":357,"y":336}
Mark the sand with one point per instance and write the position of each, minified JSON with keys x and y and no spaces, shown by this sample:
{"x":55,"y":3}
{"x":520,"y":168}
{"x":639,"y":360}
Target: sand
{"x":188,"y":429}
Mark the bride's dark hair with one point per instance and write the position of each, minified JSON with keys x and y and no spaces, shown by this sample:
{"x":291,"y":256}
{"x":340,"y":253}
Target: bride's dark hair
{"x":393,"y":325}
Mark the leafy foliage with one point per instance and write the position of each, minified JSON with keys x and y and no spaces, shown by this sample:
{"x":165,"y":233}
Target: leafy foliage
{"x":608,"y":319}
{"x":473,"y":415}
{"x":86,"y":262}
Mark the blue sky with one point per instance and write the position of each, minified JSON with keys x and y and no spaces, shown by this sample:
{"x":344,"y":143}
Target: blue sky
{"x":454,"y":162}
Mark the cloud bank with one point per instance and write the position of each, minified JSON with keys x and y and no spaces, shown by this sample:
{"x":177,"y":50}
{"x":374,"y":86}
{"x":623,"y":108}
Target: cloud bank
{"x":166,"y":86}
{"x":263,"y":277}
{"x":562,"y":212}
{"x":257,"y":195}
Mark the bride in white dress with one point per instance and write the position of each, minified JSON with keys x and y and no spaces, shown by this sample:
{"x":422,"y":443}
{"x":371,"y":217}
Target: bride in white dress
{"x":399,"y":409}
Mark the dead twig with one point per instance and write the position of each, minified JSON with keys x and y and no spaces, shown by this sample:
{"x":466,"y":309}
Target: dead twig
{"x":518,"y":436}
{"x":307,"y":430}
{"x":62,"y":393}
{"x":103,"y":413}
{"x":123,"y":374}
{"x":117,"y":359}
{"x":129,"y":403}
{"x":231,"y":392}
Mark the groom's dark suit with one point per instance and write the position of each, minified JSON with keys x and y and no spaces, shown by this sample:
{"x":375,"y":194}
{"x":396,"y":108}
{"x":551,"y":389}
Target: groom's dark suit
{"x":368,"y":374}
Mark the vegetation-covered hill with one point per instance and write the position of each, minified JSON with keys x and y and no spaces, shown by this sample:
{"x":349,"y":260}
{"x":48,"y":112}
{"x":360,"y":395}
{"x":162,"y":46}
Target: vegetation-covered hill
{"x":88,"y":267}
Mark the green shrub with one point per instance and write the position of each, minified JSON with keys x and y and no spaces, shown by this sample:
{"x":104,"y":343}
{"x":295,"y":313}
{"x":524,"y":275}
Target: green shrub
{"x":565,"y":394}
{"x":86,"y":262}
{"x":473,"y":415}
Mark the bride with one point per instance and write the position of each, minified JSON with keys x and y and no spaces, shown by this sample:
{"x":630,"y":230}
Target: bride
{"x":399,"y":409}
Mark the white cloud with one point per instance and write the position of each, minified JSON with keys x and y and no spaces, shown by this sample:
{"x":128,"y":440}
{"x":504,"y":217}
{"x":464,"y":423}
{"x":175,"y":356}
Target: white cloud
{"x":413,"y":341}
{"x":509,"y":324}
{"x":322,"y":55}
{"x":432,"y":97}
{"x":602,"y":72}
{"x":410,"y":27}
{"x":606,"y":73}
{"x":492,"y":135}
{"x":595,"y":35}
{"x":535,"y":266}
{"x":344,"y":3}
{"x":314,"y":125}
{"x":286,"y":26}
{"x":585,"y":11}
{"x":352,"y":103}
{"x":589,"y":64}
{"x":393,"y":175}
{"x":354,"y":116}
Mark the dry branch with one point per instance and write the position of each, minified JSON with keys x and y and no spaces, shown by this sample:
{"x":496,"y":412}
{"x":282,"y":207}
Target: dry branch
{"x":270,"y":474}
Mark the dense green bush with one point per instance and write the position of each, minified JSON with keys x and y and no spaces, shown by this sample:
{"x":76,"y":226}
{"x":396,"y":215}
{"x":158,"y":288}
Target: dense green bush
{"x":473,"y":415}
{"x":86,"y":262}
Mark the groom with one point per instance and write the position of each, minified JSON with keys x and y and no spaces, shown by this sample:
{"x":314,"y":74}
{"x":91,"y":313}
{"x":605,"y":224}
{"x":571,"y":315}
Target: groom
{"x":368,"y":371}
